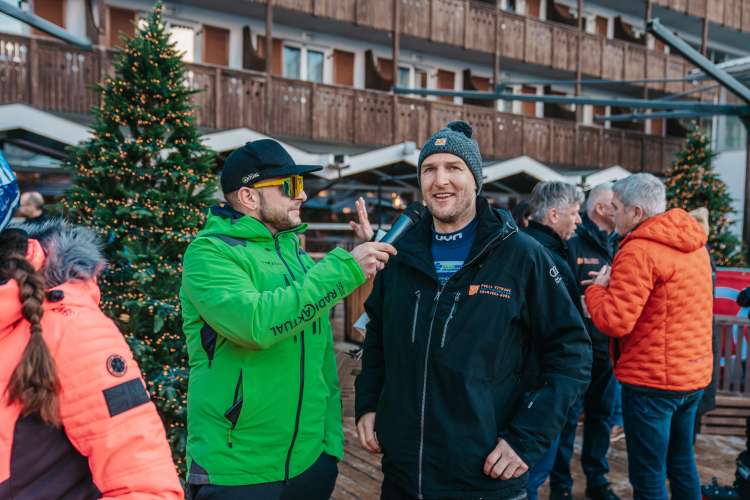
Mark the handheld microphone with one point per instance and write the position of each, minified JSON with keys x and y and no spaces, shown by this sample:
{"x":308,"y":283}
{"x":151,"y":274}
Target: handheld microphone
{"x":405,"y":221}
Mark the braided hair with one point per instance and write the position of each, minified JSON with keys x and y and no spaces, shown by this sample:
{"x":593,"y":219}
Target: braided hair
{"x":34,"y":383}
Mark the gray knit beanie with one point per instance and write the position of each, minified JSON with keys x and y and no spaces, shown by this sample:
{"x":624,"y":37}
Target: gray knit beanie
{"x":455,"y":139}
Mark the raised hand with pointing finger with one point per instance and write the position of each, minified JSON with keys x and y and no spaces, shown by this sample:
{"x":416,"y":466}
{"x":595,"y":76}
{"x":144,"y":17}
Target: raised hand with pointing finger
{"x":362,"y":229}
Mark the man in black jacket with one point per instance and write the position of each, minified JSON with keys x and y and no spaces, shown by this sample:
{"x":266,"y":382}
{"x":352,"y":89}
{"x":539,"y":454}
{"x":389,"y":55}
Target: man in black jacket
{"x":473,"y":353}
{"x":555,"y":214}
{"x":589,"y":250}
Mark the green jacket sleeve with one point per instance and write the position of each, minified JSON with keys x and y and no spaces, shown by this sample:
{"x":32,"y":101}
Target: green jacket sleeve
{"x":334,"y":431}
{"x":224,"y":295}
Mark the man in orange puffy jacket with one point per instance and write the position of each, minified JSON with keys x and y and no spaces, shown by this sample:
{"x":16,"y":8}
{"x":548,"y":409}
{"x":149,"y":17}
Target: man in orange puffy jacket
{"x":656,"y":304}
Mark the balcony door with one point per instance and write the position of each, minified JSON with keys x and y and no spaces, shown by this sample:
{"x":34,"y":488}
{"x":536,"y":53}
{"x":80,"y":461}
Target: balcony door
{"x":51,"y":10}
{"x":215,"y":45}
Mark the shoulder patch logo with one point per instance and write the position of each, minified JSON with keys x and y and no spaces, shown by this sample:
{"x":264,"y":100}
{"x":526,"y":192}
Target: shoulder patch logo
{"x":117,"y":366}
{"x":440,"y":141}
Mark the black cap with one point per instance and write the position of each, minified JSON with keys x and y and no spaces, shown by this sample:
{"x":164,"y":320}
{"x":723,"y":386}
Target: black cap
{"x":257,"y":161}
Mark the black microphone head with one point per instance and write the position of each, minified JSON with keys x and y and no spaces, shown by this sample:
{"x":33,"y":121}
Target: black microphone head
{"x":743,"y":299}
{"x":415,"y":211}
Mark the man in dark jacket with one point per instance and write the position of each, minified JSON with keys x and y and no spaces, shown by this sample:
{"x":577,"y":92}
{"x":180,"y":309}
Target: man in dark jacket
{"x":588,"y":250}
{"x":474,"y":352}
{"x":555,"y":214}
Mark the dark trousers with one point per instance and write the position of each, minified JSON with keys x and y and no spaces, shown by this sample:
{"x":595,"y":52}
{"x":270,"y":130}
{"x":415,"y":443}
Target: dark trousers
{"x":597,"y":404}
{"x":659,"y":438}
{"x":316,"y":483}
{"x":392,"y":491}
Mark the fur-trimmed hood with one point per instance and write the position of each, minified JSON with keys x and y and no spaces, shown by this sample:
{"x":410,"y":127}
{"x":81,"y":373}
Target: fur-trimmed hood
{"x":68,"y":256}
{"x":72,"y":253}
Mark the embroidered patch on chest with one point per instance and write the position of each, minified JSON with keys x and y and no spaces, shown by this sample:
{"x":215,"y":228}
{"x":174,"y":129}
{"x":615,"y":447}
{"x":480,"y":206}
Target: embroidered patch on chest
{"x":498,"y":291}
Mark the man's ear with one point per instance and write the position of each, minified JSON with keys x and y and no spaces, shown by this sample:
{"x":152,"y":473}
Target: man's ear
{"x":552,"y":215}
{"x":638,"y":212}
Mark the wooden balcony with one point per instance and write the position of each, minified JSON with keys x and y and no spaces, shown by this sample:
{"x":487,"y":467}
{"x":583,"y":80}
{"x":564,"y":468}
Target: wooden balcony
{"x":481,"y":27}
{"x":59,"y":78}
{"x":733,"y":14}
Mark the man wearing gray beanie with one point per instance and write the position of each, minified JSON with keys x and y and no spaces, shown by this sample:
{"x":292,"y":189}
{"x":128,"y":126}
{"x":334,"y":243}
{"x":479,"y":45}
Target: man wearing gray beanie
{"x":474,"y":351}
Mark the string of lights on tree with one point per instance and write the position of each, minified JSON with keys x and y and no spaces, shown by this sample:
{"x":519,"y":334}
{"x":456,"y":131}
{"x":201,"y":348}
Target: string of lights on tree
{"x":692,"y":183}
{"x":143,"y":182}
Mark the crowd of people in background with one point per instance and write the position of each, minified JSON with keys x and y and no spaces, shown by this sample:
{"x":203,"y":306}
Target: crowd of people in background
{"x":489,"y":335}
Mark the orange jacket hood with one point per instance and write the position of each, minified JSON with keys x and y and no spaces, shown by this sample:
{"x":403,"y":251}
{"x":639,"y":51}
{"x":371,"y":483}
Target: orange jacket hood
{"x":675,"y":228}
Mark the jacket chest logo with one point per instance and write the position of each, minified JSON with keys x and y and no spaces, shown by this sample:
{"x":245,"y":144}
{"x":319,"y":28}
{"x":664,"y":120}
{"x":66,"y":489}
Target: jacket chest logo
{"x":498,"y":291}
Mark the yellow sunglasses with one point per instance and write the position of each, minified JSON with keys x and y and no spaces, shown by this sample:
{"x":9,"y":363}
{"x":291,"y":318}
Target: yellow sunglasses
{"x":291,"y":186}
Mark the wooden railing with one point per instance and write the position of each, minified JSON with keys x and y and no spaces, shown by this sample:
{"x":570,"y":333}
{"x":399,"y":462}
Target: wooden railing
{"x":479,"y":26}
{"x":734,"y":344}
{"x":57,"y":77}
{"x":730,"y":13}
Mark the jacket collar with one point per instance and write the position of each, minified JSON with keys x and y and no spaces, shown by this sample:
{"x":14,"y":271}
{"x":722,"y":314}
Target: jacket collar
{"x":415,"y":247}
{"x":547,"y":237}
{"x":225,"y":220}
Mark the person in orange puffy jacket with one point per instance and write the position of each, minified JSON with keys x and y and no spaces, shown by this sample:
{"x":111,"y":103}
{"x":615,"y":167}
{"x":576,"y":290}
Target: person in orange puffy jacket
{"x":656,"y":304}
{"x":76,"y":421}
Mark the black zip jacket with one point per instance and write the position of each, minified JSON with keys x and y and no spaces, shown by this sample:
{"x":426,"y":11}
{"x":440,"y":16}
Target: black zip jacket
{"x":498,"y":351}
{"x":588,"y":250}
{"x":558,"y":252}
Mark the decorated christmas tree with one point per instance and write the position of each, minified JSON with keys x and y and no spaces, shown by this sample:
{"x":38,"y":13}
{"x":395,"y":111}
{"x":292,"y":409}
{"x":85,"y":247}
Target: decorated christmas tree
{"x":693,"y":183}
{"x":142,"y":182}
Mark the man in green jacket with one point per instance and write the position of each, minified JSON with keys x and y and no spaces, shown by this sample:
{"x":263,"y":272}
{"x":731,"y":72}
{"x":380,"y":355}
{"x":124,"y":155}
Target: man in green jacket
{"x":264,"y":407}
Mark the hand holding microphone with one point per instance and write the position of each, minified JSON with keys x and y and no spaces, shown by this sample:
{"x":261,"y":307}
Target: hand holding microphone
{"x":372,"y":256}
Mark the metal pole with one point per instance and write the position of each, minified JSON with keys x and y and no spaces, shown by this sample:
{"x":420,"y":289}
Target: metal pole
{"x":695,"y":57}
{"x":596,"y":101}
{"x":43,"y":25}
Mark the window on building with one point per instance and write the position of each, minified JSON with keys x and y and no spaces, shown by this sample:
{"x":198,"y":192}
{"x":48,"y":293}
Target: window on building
{"x":421,"y":79}
{"x":528,"y":108}
{"x":315,"y":61}
{"x":533,"y":8}
{"x":121,"y":23}
{"x":598,"y":111}
{"x":276,"y":53}
{"x":215,"y":45}
{"x":292,"y":62}
{"x":51,"y":10}
{"x":302,"y":63}
{"x":510,"y":5}
{"x":602,"y":24}
{"x":343,"y":68}
{"x":446,"y":80}
{"x":183,"y":36}
{"x":404,"y":77}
